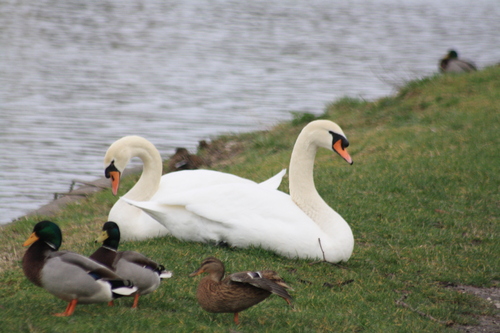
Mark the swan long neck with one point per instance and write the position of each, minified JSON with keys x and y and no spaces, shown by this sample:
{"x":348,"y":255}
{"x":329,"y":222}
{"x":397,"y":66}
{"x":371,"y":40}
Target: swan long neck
{"x":338,"y":243}
{"x":302,"y":188}
{"x":149,"y":182}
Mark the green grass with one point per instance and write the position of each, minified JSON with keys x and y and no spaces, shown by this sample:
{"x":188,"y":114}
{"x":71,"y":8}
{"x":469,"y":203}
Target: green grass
{"x":422,"y":198}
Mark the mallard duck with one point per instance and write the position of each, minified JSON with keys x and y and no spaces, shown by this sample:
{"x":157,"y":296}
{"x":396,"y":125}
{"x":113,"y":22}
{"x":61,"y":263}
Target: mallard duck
{"x":134,"y":223}
{"x":238,"y":291}
{"x":67,"y":275}
{"x":451,"y":64}
{"x":144,"y":273}
{"x":244,"y":214}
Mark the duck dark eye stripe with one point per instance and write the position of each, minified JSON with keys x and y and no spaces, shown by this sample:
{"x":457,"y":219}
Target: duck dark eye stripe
{"x":208,"y":261}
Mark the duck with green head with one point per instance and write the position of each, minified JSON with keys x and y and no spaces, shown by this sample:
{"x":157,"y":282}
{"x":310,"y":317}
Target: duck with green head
{"x":145,"y":273}
{"x":68,"y":275}
{"x":451,"y":64}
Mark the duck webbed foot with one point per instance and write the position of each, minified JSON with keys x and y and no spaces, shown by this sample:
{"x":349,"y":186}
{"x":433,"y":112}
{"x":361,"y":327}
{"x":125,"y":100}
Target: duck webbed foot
{"x":69,"y":309}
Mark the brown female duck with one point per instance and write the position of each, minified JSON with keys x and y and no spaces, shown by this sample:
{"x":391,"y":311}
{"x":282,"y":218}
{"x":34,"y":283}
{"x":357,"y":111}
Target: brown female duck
{"x":238,"y":291}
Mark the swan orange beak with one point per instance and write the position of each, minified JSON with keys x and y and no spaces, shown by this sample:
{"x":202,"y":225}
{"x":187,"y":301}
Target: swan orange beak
{"x":33,"y":238}
{"x":337,"y":147}
{"x":115,"y":181}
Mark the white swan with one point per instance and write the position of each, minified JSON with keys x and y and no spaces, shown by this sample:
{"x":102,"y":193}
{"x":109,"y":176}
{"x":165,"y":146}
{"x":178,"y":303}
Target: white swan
{"x":134,"y":224}
{"x":243,"y":214}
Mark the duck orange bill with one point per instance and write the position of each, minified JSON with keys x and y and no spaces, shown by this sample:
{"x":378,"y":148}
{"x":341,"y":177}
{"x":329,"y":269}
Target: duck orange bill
{"x":197,"y":272}
{"x":115,"y":181}
{"x":33,"y":238}
{"x":337,"y":146}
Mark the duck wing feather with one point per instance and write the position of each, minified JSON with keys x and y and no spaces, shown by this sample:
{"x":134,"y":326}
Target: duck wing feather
{"x":136,"y":258}
{"x":257,"y":280}
{"x":86,"y":264}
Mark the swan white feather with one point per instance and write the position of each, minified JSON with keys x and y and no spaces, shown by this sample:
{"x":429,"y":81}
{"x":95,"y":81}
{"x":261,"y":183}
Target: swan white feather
{"x":132,"y":221}
{"x":236,"y":219}
{"x":243,"y":214}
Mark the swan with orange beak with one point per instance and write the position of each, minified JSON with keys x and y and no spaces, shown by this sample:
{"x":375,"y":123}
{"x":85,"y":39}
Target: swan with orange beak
{"x":299,"y":225}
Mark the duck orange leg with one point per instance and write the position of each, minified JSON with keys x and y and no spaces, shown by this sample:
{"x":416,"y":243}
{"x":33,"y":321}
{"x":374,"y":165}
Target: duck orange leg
{"x":236,"y":318}
{"x":69,"y":309}
{"x":136,"y":301}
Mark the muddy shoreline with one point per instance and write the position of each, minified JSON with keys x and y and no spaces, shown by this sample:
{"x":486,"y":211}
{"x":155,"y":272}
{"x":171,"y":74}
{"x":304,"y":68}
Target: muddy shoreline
{"x":77,"y":190}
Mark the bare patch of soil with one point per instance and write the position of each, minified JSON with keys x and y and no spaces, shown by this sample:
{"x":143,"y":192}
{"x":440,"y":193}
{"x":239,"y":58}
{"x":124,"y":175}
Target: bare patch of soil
{"x":486,"y":324}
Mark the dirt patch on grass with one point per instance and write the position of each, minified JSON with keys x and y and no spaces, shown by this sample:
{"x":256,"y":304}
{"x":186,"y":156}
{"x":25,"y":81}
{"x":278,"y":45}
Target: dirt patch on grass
{"x":487,"y":324}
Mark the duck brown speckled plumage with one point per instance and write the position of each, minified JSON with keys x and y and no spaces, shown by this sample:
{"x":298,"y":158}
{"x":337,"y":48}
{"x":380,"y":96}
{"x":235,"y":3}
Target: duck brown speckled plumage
{"x":183,"y":160}
{"x":238,"y":291}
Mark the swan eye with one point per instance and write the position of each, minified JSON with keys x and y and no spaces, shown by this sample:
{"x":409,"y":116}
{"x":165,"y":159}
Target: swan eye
{"x":111,"y":167}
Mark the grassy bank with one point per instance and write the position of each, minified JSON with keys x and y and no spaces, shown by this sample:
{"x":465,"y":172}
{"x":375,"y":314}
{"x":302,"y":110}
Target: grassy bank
{"x":422,"y":198}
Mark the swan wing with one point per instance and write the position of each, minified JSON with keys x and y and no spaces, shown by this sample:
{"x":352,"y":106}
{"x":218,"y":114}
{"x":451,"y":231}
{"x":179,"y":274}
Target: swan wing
{"x":230,"y":203}
{"x":241,"y":214}
{"x":275,"y":181}
{"x":187,"y":180}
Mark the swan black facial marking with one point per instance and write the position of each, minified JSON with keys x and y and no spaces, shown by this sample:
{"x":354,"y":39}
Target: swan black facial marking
{"x":336,"y":137}
{"x":111,"y":167}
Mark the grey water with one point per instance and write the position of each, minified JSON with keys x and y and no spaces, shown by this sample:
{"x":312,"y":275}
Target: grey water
{"x":77,"y":75}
